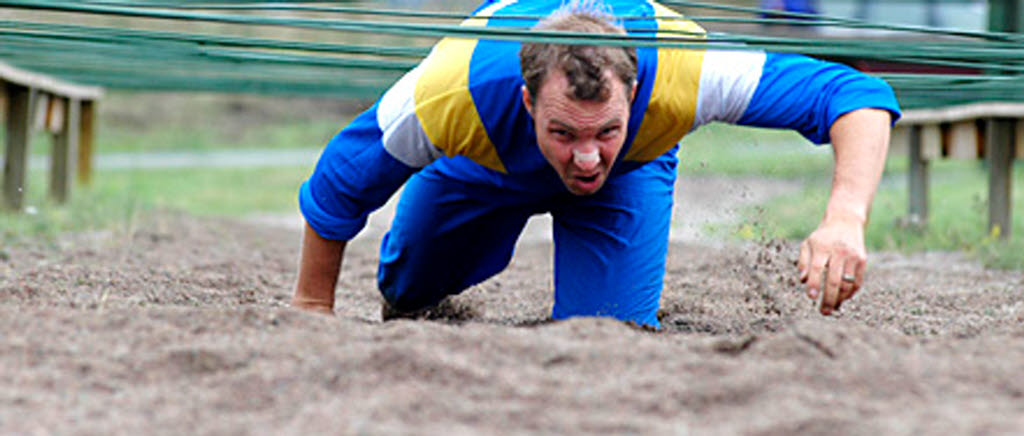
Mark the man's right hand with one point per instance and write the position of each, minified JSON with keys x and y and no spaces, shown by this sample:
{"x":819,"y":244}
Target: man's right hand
{"x":319,"y":265}
{"x":309,"y":305}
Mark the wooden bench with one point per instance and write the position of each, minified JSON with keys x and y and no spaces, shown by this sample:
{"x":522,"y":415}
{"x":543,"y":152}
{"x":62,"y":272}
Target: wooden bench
{"x":32,"y":102}
{"x":992,"y":131}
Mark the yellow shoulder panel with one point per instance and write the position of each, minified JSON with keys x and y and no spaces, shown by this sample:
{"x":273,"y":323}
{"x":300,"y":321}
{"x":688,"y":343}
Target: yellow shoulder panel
{"x":445,"y":107}
{"x":673,"y":102}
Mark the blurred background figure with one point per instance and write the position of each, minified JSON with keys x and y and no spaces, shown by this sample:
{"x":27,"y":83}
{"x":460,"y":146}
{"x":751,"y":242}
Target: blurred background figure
{"x":798,"y":6}
{"x":801,"y":6}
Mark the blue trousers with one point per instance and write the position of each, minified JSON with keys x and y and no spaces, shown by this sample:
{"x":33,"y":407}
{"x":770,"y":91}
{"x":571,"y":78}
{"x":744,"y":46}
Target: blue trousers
{"x":450,"y":232}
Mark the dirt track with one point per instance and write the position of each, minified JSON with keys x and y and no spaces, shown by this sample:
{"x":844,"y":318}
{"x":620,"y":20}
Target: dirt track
{"x":179,"y":326}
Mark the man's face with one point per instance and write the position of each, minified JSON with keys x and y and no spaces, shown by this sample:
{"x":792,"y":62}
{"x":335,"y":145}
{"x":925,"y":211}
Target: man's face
{"x":580,"y":139}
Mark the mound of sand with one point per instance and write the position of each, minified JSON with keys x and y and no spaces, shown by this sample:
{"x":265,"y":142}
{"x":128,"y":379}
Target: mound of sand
{"x":180,"y":326}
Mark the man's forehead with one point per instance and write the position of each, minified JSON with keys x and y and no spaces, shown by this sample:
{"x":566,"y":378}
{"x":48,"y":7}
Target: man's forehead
{"x":556,"y":82}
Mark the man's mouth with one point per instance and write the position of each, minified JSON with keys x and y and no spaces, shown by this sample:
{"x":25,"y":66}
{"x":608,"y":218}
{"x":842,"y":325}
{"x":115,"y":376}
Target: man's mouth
{"x":585,"y":184}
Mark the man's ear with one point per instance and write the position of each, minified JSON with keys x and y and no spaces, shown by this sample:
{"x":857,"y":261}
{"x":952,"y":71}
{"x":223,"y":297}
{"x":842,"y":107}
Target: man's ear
{"x":527,"y":101}
{"x":632,"y":94}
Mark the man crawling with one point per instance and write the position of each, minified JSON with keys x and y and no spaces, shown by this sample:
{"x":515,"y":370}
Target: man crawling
{"x":484,"y":134}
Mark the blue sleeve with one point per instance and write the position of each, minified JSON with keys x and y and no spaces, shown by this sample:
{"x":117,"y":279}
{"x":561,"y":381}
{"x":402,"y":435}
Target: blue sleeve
{"x":807,"y":95}
{"x":354,"y":176}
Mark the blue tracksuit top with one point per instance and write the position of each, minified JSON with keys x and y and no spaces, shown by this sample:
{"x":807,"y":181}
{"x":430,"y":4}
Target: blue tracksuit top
{"x":464,"y":101}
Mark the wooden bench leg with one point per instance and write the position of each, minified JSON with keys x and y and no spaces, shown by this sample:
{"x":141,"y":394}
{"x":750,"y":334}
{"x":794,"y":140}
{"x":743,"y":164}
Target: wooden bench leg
{"x":19,"y":119}
{"x":1000,"y":143}
{"x":86,"y":134}
{"x":65,"y":145}
{"x":918,"y":179}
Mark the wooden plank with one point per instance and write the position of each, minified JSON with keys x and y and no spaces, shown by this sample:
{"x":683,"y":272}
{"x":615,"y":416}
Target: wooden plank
{"x":48,"y":84}
{"x":65,"y":145}
{"x":899,"y":140}
{"x":40,"y":105}
{"x":963,"y":140}
{"x":85,"y":140}
{"x":949,"y":114}
{"x":3,"y":99}
{"x":918,"y":200}
{"x":19,"y":119}
{"x":999,"y":144}
{"x":931,"y":142}
{"x":1019,"y":142}
{"x":55,"y":114}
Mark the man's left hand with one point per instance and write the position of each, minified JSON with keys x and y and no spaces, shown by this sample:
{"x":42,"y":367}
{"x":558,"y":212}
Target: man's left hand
{"x":833,"y":257}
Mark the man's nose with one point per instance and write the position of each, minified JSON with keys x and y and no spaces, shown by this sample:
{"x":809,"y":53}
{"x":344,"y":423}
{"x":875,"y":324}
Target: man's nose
{"x":586,"y":160}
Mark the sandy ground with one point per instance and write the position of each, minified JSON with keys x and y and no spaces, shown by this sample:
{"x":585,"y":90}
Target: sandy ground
{"x":179,"y":325}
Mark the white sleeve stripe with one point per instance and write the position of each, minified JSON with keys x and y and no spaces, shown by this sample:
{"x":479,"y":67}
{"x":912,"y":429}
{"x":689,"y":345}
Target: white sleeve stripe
{"x":728,"y":79}
{"x":409,"y":143}
{"x":403,"y":136}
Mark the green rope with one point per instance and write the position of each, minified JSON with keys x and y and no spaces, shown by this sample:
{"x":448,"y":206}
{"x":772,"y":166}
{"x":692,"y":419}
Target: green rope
{"x":140,"y":58}
{"x":848,"y":22}
{"x":151,"y":37}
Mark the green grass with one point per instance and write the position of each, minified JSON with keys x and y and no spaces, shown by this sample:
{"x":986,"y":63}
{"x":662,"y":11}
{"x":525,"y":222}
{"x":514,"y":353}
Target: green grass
{"x":958,"y":199}
{"x":743,"y":151}
{"x":116,"y":197}
{"x":958,"y":215}
{"x":180,"y":122}
{"x":229,"y":191}
{"x":139,"y":123}
{"x":273,"y":135}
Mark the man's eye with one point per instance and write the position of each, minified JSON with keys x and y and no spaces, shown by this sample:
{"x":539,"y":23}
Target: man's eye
{"x":609,"y":132}
{"x":561,"y":133}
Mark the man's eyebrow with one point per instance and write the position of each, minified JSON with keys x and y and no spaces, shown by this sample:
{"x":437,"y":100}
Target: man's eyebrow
{"x":563,"y":124}
{"x":614,"y":122}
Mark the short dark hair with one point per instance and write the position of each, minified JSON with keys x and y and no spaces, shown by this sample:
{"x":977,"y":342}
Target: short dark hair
{"x":583,"y":65}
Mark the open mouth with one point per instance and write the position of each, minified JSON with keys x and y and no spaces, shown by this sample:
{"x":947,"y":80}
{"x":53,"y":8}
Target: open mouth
{"x":585,"y":184}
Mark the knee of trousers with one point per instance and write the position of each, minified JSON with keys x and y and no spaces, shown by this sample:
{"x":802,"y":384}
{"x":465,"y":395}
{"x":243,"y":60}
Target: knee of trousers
{"x":407,"y":290}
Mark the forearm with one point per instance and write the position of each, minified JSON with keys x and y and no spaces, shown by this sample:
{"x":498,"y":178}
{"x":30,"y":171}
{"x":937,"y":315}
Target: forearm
{"x":319,"y":266}
{"x":861,"y":141}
